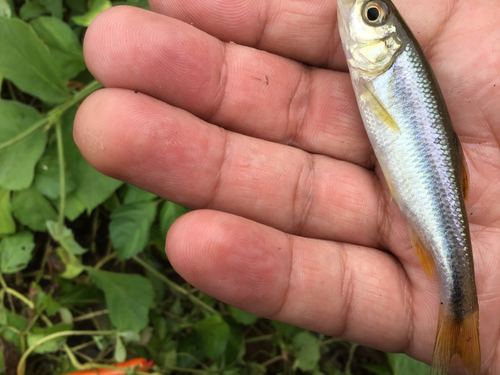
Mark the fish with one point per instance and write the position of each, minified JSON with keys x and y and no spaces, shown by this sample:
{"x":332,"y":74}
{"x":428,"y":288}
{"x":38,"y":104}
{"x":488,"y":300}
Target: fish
{"x":422,"y":161}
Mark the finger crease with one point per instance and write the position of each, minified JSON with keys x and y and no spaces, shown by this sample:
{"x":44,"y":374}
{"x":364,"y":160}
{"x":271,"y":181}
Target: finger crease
{"x":304,"y":194}
{"x":346,"y":294}
{"x":218,"y":178}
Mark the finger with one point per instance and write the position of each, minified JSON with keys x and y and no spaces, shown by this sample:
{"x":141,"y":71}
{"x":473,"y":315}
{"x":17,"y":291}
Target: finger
{"x":171,"y":153}
{"x":304,"y":31}
{"x":241,"y":89}
{"x":356,"y":293}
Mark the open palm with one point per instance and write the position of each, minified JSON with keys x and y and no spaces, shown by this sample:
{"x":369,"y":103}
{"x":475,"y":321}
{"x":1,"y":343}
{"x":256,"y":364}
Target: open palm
{"x":297,"y":225}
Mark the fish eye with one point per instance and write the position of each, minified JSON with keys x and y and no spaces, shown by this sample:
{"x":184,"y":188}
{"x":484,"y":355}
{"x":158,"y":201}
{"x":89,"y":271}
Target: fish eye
{"x":375,"y":13}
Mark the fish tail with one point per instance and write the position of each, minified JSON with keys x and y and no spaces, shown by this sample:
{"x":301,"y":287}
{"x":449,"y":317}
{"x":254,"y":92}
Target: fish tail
{"x":459,"y":337}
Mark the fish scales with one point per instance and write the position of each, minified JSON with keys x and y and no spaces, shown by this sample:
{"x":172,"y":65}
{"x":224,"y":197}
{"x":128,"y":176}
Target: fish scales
{"x":422,"y":171}
{"x":410,"y":130}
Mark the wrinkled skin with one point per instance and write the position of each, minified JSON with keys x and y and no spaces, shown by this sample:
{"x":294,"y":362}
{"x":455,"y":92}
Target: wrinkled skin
{"x":295,"y":221}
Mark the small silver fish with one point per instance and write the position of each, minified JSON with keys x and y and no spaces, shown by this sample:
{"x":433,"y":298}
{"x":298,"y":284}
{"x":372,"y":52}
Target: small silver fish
{"x":410,"y":130}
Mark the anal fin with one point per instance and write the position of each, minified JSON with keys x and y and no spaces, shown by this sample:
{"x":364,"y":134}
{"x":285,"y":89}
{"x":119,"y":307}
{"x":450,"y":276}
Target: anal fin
{"x":423,"y":254}
{"x":457,"y":337}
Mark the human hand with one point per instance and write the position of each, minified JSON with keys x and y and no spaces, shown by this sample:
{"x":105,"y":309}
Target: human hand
{"x":298,"y":224}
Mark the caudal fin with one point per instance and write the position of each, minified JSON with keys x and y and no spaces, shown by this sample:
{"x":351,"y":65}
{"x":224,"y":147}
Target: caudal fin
{"x":457,"y":337}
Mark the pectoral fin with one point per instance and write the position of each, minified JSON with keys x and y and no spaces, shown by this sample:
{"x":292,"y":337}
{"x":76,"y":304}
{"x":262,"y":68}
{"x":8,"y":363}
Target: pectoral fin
{"x":378,"y":107}
{"x":423,"y":254}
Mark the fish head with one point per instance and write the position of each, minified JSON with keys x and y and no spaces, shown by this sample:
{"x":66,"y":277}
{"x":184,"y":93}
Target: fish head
{"x":369,"y":33}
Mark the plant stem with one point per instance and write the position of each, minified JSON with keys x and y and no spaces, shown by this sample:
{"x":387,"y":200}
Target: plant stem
{"x":21,"y":367}
{"x":349,"y":360}
{"x":259,"y":338}
{"x":174,"y":286}
{"x":53,"y":115}
{"x":62,"y":178}
{"x":15,"y":293}
{"x":9,"y":297}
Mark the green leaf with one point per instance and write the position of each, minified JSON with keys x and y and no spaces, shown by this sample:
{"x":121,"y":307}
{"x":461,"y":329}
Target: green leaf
{"x":55,"y":7}
{"x":134,"y":194}
{"x":65,"y":237}
{"x":97,"y":7}
{"x":236,"y":345}
{"x":17,"y":162}
{"x":286,"y":330}
{"x":50,"y":346}
{"x":15,"y":251}
{"x":129,"y":227}
{"x":27,"y":62}
{"x":307,"y":354}
{"x":73,"y":208}
{"x":47,"y":175}
{"x":62,"y":42}
{"x":31,"y":9}
{"x":73,"y":267}
{"x":93,"y":188}
{"x":214,"y":333}
{"x":5,"y":9}
{"x":128,"y":298}
{"x":168,"y":214}
{"x":7,"y":224}
{"x":120,"y":351}
{"x":242,"y":316}
{"x":32,"y":209}
{"x":404,"y":365}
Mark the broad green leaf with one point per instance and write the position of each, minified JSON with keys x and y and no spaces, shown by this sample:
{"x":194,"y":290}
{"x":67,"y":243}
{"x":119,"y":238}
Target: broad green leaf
{"x":31,"y":10}
{"x":134,"y":194}
{"x":65,"y":237}
{"x":78,"y":294}
{"x":97,"y":7}
{"x":5,"y":9}
{"x":55,"y":7}
{"x":47,"y":179}
{"x":15,"y":251}
{"x":307,"y":354}
{"x":73,"y":267}
{"x":242,"y":316}
{"x":62,"y":42}
{"x":27,"y":62}
{"x":32,"y":209}
{"x":7,"y":224}
{"x":404,"y":365}
{"x":17,"y":162}
{"x":129,"y":227}
{"x":214,"y":333}
{"x":37,"y":333}
{"x":128,"y":297}
{"x":93,"y":188}
{"x":169,"y":213}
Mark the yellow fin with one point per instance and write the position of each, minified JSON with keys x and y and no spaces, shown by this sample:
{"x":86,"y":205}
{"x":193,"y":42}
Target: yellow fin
{"x":457,"y":337}
{"x":379,"y":109}
{"x":464,"y":174}
{"x":423,"y":254}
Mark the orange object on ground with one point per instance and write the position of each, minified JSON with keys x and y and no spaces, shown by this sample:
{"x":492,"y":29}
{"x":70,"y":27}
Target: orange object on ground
{"x":143,"y":364}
